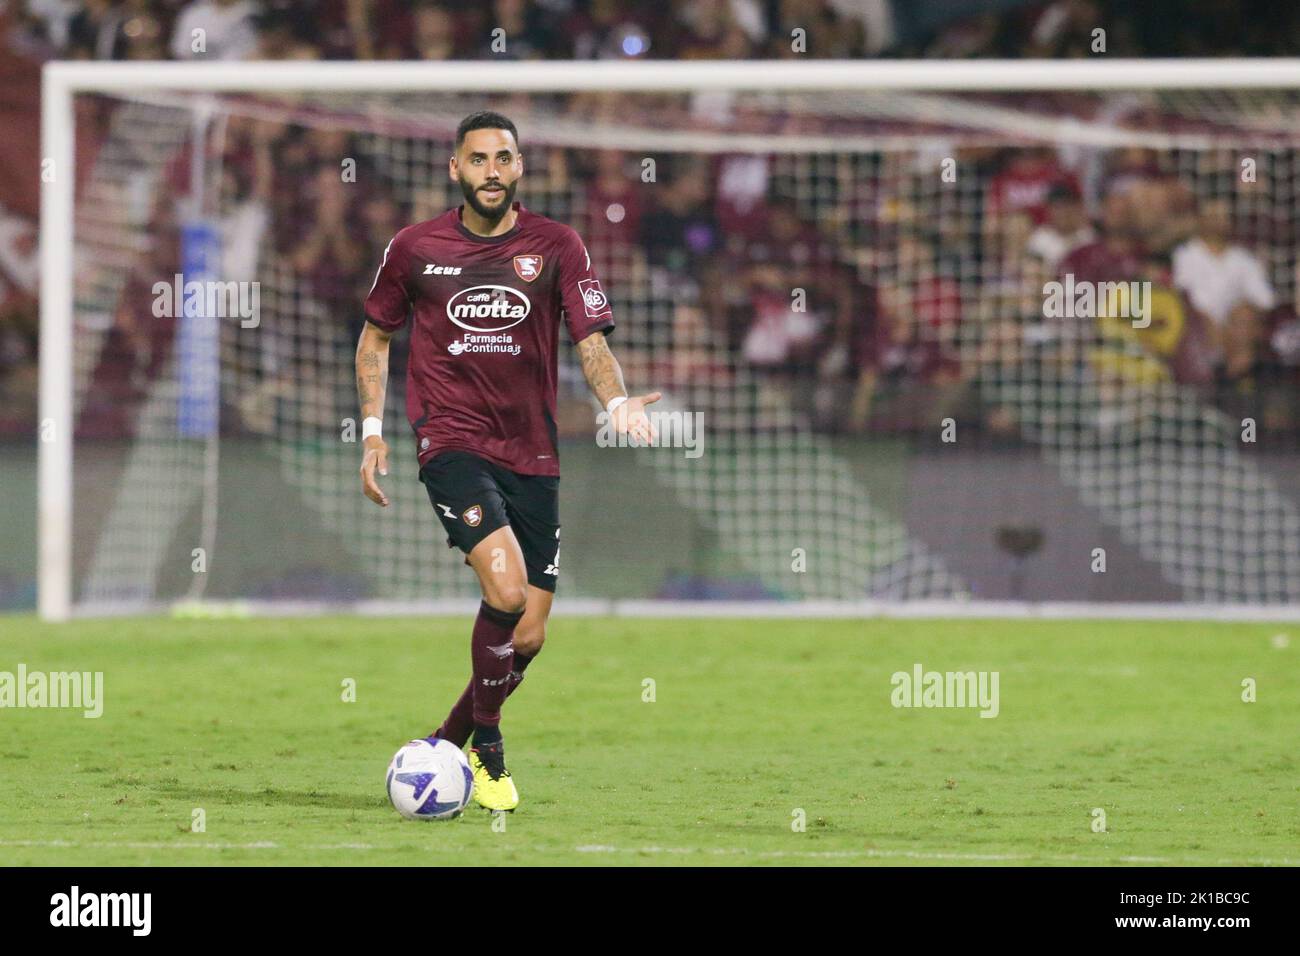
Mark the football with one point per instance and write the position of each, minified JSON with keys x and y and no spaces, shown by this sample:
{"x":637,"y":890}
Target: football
{"x":429,"y":780}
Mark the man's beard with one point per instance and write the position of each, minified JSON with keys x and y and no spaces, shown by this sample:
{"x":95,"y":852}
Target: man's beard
{"x":491,"y":215}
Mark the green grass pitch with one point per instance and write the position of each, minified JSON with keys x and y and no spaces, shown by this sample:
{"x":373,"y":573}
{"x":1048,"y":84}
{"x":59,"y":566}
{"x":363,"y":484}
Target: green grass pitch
{"x":751,"y":722}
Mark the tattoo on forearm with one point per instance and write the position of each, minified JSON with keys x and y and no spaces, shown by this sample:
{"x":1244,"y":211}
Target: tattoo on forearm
{"x":372,"y":380}
{"x":601,"y":368}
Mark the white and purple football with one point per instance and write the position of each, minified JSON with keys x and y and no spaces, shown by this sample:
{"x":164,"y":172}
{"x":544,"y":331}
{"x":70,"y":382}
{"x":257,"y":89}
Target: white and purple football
{"x":429,"y":780}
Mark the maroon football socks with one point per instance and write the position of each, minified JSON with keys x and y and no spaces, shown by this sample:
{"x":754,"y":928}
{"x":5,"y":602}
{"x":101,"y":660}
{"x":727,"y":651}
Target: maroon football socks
{"x":498,"y":670}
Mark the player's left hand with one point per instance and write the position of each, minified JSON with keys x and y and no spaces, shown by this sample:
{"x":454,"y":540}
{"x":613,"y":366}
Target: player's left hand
{"x":374,"y":458}
{"x":630,"y":419}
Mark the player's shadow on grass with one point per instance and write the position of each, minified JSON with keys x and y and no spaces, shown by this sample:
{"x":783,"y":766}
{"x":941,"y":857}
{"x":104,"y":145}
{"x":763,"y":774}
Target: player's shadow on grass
{"x":273,"y":796}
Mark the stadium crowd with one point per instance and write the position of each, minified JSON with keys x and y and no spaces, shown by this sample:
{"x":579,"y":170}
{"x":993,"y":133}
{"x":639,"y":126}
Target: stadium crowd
{"x":678,"y":30}
{"x":905,"y":309}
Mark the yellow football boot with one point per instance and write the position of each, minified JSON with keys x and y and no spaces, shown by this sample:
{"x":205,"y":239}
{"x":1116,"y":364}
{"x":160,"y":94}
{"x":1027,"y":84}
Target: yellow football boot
{"x":492,"y":792}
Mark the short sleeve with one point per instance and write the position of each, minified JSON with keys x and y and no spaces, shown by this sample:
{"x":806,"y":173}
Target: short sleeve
{"x":388,"y":303}
{"x":585,"y":304}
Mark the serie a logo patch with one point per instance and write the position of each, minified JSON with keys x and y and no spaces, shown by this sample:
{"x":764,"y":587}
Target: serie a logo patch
{"x":528,"y":267}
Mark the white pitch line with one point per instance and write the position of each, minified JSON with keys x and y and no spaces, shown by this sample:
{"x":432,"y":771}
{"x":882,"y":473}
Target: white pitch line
{"x":674,"y":850}
{"x":920,"y":855}
{"x":139,"y":845}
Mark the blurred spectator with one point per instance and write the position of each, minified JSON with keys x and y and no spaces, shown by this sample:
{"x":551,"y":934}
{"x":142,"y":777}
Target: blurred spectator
{"x":246,"y":193}
{"x":327,"y":250}
{"x":1225,"y":283}
{"x":614,"y":209}
{"x":1116,"y":254}
{"x":607,"y":30}
{"x":709,"y":30}
{"x":19,"y":277}
{"x":1025,"y":181}
{"x":19,"y":258}
{"x":144,"y":32}
{"x":1277,"y":371}
{"x":95,"y":31}
{"x":681,"y":229}
{"x":228,"y":31}
{"x":1143,"y":354}
{"x":125,"y":30}
{"x":907,"y":358}
{"x":283,"y":36}
{"x":1066,"y":229}
{"x":1161,"y":206}
{"x":527,"y":31}
{"x":435,"y":32}
{"x":694,"y":359}
{"x":828,"y":34}
{"x":742,"y":195}
{"x":782,"y":333}
{"x":139,"y":343}
{"x":1066,"y":29}
{"x":971,"y":37}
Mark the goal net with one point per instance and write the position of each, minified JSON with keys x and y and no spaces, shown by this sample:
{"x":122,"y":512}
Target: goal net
{"x":914,"y":345}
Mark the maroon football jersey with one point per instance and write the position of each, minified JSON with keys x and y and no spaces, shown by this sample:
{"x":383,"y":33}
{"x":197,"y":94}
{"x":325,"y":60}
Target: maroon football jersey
{"x":482,"y":371}
{"x":1096,"y":262}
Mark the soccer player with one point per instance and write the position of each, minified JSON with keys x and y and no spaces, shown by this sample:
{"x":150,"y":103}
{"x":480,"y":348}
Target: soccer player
{"x":487,"y":283}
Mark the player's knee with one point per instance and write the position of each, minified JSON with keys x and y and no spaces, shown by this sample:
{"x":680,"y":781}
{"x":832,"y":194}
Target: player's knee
{"x":529,"y":638}
{"x":508,"y":596}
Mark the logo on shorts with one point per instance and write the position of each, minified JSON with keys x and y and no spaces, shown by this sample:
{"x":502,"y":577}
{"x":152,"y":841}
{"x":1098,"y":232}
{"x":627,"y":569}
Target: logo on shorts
{"x":593,"y":298}
{"x":554,"y":566}
{"x":528,"y":268}
{"x":473,"y":516}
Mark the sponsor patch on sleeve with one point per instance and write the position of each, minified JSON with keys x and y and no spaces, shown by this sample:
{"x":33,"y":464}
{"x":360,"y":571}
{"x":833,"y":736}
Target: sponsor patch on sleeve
{"x":593,"y":298}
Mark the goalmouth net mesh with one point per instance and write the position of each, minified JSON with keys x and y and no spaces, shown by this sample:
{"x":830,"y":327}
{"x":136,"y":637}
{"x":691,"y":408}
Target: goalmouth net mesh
{"x":852,"y":290}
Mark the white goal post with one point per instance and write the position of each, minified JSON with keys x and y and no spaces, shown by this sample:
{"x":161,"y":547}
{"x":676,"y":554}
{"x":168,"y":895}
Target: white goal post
{"x":62,"y":81}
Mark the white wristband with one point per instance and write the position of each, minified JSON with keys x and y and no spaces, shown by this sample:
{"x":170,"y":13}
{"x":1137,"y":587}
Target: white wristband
{"x":372,"y":426}
{"x":614,"y":402}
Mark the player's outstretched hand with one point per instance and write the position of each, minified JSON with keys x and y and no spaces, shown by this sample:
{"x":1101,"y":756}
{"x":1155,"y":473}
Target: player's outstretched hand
{"x":630,"y":418}
{"x":374,"y":457}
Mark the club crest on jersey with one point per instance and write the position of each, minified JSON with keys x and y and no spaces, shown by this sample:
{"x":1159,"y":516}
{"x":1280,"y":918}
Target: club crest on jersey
{"x":473,"y":515}
{"x":528,"y":268}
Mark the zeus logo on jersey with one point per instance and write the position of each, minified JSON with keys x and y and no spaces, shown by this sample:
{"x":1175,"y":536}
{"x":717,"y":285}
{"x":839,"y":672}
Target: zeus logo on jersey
{"x":488,"y":308}
{"x":433,"y":270}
